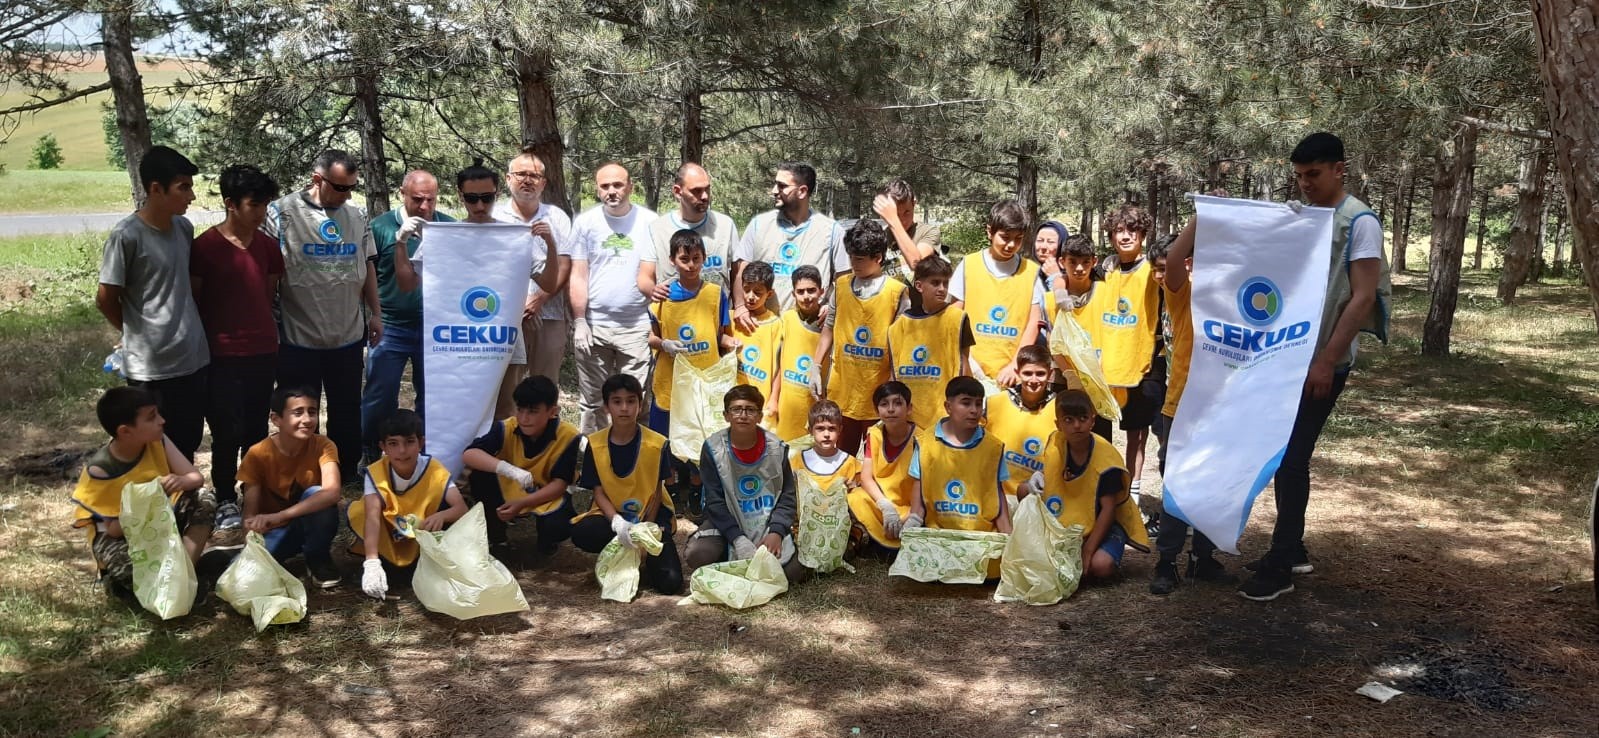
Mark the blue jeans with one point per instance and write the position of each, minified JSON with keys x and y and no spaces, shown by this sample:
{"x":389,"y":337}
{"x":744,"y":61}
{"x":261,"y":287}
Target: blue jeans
{"x":310,"y":534}
{"x":385,"y":365}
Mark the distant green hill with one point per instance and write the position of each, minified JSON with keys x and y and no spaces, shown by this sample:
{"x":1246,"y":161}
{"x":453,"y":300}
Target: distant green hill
{"x":76,"y":124}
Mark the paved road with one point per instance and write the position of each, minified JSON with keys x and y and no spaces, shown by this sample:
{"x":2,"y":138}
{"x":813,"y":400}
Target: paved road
{"x":24,"y":225}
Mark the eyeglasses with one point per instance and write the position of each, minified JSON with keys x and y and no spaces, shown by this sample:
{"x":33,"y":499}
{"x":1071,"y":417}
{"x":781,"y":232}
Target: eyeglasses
{"x":473,"y":198}
{"x":744,"y":411}
{"x":529,"y":176}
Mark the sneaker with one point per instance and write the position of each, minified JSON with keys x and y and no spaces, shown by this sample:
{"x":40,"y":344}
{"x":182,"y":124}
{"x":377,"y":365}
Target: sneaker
{"x":1207,"y":569}
{"x":1165,"y":580}
{"x":323,"y":574}
{"x":228,"y":517}
{"x":226,"y":540}
{"x":1152,"y":525}
{"x":1267,"y":585}
{"x":1300,"y":566}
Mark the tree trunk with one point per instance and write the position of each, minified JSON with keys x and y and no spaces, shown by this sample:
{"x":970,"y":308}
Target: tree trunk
{"x":1402,"y":238}
{"x":693,"y":149}
{"x":1557,"y":265}
{"x":535,"y":103}
{"x":1152,"y":201}
{"x":1027,"y":188}
{"x":1452,"y":187}
{"x":1526,"y":231}
{"x":1482,"y":228}
{"x":1568,"y":57}
{"x":373,"y":160}
{"x":127,"y":91}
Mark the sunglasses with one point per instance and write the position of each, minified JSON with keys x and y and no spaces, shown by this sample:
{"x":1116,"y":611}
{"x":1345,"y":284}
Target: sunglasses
{"x":341,"y":188}
{"x":473,"y":198}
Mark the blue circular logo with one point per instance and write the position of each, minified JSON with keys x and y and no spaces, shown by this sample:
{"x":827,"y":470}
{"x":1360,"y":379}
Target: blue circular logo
{"x":789,"y":251}
{"x":919,"y":354}
{"x":1123,"y":306}
{"x":329,"y":230}
{"x":862,"y":335}
{"x":480,"y":304}
{"x":630,"y":509}
{"x":998,"y":314}
{"x":749,"y":486}
{"x":954,"y":490}
{"x":751,"y":354}
{"x":803,"y":363}
{"x":1054,"y":505}
{"x":1259,"y":301}
{"x":1032,"y":446}
{"x":686,"y":333}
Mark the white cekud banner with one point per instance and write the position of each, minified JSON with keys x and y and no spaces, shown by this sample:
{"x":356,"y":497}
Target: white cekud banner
{"x":474,"y":284}
{"x":1259,"y":280}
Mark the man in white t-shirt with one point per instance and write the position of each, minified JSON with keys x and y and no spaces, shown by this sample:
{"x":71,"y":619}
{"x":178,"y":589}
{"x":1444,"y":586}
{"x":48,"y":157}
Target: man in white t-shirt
{"x":544,"y":317}
{"x":692,"y":190}
{"x":610,"y":317}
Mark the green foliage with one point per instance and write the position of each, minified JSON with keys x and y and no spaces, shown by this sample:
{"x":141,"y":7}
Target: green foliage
{"x":173,"y":125}
{"x":47,"y":153}
{"x":965,"y":235}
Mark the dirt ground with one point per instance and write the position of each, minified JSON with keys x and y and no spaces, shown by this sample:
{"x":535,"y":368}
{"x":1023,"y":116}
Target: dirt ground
{"x":1449,"y":563}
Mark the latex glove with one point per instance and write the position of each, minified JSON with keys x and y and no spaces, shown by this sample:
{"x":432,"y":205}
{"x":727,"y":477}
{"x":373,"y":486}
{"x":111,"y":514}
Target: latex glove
{"x":891,"y":521}
{"x":672,"y":346}
{"x":374,"y":582}
{"x":1032,"y":486}
{"x":912,"y":521}
{"x":743,"y":549}
{"x":582,"y":337}
{"x":814,"y":379}
{"x":522,"y":477}
{"x":1295,"y":205}
{"x":411,"y":227}
{"x":623,"y":530}
{"x":977,"y":373}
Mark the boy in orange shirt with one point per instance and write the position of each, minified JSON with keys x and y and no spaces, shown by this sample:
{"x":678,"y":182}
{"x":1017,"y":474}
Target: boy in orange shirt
{"x":291,"y":486}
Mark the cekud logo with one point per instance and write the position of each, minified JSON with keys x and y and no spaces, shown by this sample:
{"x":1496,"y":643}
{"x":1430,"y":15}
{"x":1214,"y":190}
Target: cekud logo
{"x":951,"y":504}
{"x":800,"y":374}
{"x":1123,"y":316}
{"x":631,"y":509}
{"x":1054,"y":505}
{"x":752,"y":495}
{"x":789,"y":252}
{"x":747,"y":360}
{"x":996,"y":324}
{"x":332,"y":242}
{"x":862,"y":348}
{"x":478,"y":305}
{"x":919,"y":366}
{"x":1260,"y":304}
{"x":1029,"y":456}
{"x":686,"y":335}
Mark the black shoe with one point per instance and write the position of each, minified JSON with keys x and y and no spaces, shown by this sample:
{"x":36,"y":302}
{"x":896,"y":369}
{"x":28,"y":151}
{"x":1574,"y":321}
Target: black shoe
{"x":1152,"y":526}
{"x":1301,"y":564}
{"x":1267,"y":585}
{"x":1207,"y":569}
{"x":323,"y":574}
{"x":120,"y":592}
{"x":1165,"y":580}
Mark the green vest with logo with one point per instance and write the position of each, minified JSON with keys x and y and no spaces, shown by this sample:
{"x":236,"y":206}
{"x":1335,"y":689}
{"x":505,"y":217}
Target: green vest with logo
{"x":1338,"y":288}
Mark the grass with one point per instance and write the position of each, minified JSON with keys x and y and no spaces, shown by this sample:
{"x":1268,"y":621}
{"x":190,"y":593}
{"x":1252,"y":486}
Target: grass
{"x":77,"y":124}
{"x":1446,"y":519}
{"x":62,"y":191}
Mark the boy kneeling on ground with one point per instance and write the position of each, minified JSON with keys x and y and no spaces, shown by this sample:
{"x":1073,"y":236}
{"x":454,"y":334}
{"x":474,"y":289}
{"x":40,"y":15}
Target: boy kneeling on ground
{"x":1085,"y":483}
{"x":291,"y":487}
{"x":405,"y":488}
{"x":524,"y":464}
{"x":138,"y":452}
{"x":748,"y":491}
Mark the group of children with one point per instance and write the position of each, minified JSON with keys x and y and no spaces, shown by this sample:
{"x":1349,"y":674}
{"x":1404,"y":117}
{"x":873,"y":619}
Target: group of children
{"x":940,"y":411}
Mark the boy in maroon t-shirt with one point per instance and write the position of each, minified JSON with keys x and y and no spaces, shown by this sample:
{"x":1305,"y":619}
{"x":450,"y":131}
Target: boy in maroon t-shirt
{"x":235,"y":269}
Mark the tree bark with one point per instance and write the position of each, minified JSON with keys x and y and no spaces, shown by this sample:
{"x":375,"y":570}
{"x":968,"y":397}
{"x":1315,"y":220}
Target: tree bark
{"x":373,"y":159}
{"x":1027,"y":189}
{"x":1526,"y":230}
{"x":1452,"y":187}
{"x":127,"y":91}
{"x":1402,"y":237}
{"x":1482,"y":228}
{"x":535,"y":103}
{"x":693,"y":148}
{"x":1568,"y":57}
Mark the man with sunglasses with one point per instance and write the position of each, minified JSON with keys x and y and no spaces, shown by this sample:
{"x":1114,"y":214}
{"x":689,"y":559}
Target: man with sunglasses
{"x":402,"y":309}
{"x":329,"y":308}
{"x":787,"y":237}
{"x":544,"y":317}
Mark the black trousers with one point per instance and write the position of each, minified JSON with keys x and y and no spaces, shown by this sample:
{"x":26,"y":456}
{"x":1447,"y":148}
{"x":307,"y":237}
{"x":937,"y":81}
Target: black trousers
{"x":241,"y":389}
{"x":337,"y":373}
{"x":662,"y":572}
{"x":1292,"y":483}
{"x":552,"y":528}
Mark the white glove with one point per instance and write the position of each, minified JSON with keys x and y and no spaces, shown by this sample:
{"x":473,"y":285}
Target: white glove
{"x":672,"y":347}
{"x":522,"y":477}
{"x":374,"y":582}
{"x":912,"y":521}
{"x":1032,"y":486}
{"x":411,"y":227}
{"x":582,"y":338}
{"x":977,"y":373}
{"x":814,"y":379}
{"x":891,"y":521}
{"x":1294,"y":205}
{"x":743,"y":548}
{"x":623,"y":530}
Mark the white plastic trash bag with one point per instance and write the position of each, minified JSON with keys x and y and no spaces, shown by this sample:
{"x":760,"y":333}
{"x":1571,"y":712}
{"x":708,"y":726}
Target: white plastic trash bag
{"x":823,"y":525}
{"x":697,"y":404}
{"x":948,"y":556}
{"x":163,"y":575}
{"x":1043,"y":561}
{"x":456,"y":575}
{"x":1068,"y":339}
{"x":255,"y":584}
{"x":617,"y":566}
{"x":738,"y":584}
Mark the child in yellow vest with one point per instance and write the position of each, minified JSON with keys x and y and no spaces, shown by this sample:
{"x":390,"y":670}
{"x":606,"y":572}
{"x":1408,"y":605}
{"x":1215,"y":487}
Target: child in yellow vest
{"x":1074,"y":288}
{"x":1023,"y":418}
{"x":758,"y":348}
{"x":524,"y":464}
{"x":627,"y":467}
{"x":690,"y":325}
{"x":883,"y":501}
{"x":1000,"y":291}
{"x":1084,"y":483}
{"x":793,"y":393}
{"x":406,"y":490}
{"x":931,"y":344}
{"x":291,"y":486}
{"x":824,"y":462}
{"x":138,"y":452}
{"x":958,"y":469}
{"x":854,"y":340}
{"x":1126,"y":311}
{"x":1172,"y":270}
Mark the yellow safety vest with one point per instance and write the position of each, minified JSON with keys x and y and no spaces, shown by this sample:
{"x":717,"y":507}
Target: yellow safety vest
{"x":104,"y":496}
{"x":926,"y":352}
{"x":795,"y":356}
{"x":1025,"y":434}
{"x":860,"y":346}
{"x":1125,"y":306}
{"x":694,"y":322}
{"x":959,"y":485}
{"x":1180,"y":310}
{"x":893,"y":478}
{"x":999,"y":308}
{"x":540,"y":466}
{"x":1072,"y":500}
{"x":848,"y":471}
{"x":757,"y":354}
{"x":423,"y":499}
{"x":630,"y":494}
